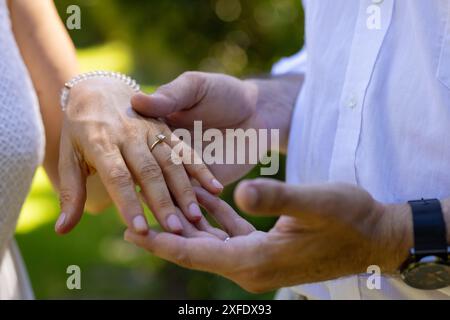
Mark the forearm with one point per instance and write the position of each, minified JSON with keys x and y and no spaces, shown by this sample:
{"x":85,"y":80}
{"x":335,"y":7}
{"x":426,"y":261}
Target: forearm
{"x":276,"y":99}
{"x":51,"y":60}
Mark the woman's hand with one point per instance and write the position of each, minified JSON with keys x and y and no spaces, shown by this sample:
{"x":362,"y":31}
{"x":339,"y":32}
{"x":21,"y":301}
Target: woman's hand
{"x":102,"y":134}
{"x":326,"y":231}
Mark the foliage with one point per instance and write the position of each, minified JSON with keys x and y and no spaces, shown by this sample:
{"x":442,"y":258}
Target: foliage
{"x":171,"y":36}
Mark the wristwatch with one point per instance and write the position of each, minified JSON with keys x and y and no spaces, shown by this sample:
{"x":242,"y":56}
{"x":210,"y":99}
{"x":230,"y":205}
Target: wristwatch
{"x":428,"y":266}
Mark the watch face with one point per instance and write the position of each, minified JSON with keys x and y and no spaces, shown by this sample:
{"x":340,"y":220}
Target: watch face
{"x":427,"y":275}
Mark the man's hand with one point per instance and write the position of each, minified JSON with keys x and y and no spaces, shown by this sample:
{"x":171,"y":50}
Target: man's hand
{"x":326,"y":231}
{"x":223,"y":102}
{"x":102,"y":134}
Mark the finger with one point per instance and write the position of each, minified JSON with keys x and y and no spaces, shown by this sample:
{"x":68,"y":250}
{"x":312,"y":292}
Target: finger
{"x":193,"y":164}
{"x":205,"y":226}
{"x":224,"y":214}
{"x":149,"y":176}
{"x":273,"y":198}
{"x":203,"y":254}
{"x":181,"y":94}
{"x":72,"y":193}
{"x":177,"y":180}
{"x":190,"y":231}
{"x":120,"y":185}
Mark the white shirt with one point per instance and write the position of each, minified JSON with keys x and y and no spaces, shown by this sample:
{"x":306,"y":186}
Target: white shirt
{"x":374,"y":111}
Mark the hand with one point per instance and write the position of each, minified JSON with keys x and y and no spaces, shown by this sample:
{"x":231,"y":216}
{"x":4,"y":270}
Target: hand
{"x":219,"y":101}
{"x":102,"y":134}
{"x":327,"y":231}
{"x":223,"y":102}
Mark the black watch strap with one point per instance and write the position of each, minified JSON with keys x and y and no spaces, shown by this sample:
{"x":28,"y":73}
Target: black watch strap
{"x":430,"y":237}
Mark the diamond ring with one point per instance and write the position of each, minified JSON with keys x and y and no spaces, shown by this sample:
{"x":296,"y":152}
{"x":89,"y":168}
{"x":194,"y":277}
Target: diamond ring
{"x":159,"y":138}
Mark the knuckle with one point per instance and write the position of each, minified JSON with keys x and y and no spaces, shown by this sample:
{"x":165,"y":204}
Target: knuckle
{"x":191,"y":75}
{"x":187,"y":192}
{"x":194,"y":77}
{"x":100,"y":144}
{"x":163,"y":202}
{"x":119,"y":176}
{"x":66,"y":196}
{"x":198,"y":81}
{"x":150,"y":171}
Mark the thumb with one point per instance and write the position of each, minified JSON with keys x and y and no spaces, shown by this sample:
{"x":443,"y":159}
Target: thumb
{"x":267,"y":197}
{"x":72,"y":190}
{"x":181,"y":94}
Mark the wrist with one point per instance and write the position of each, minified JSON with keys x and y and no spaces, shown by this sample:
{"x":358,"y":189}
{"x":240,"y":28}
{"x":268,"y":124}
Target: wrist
{"x":402,"y":233}
{"x":91,"y":85}
{"x":97,"y":93}
{"x":398,"y":235}
{"x":274,"y":100}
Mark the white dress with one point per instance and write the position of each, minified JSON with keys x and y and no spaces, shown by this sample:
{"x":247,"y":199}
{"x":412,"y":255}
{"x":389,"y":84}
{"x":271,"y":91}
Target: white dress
{"x":21,"y":152}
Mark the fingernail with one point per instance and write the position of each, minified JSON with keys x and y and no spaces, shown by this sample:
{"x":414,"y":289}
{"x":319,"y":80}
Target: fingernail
{"x":194,"y":211}
{"x":140,"y":224}
{"x":174,"y":223}
{"x":61,"y":220}
{"x":217,"y":184}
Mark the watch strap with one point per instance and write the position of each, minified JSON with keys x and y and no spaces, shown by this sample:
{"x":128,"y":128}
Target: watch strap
{"x":430,"y":237}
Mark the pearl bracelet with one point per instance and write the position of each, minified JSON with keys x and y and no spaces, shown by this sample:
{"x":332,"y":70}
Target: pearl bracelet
{"x":94,"y":74}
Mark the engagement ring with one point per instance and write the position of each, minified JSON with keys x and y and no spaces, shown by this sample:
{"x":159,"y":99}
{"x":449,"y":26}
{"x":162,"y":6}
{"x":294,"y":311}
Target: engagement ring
{"x":159,"y":138}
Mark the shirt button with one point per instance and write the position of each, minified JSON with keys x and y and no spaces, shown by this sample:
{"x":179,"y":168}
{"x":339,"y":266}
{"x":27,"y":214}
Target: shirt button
{"x":352,"y":102}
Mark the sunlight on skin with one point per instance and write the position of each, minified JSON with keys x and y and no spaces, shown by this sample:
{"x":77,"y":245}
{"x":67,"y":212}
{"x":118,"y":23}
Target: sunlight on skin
{"x":41,"y":206}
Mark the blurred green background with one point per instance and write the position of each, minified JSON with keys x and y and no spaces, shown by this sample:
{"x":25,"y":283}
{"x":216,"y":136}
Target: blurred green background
{"x":153,"y":40}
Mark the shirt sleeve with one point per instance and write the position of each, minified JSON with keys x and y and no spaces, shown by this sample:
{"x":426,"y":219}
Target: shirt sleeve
{"x":294,"y":64}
